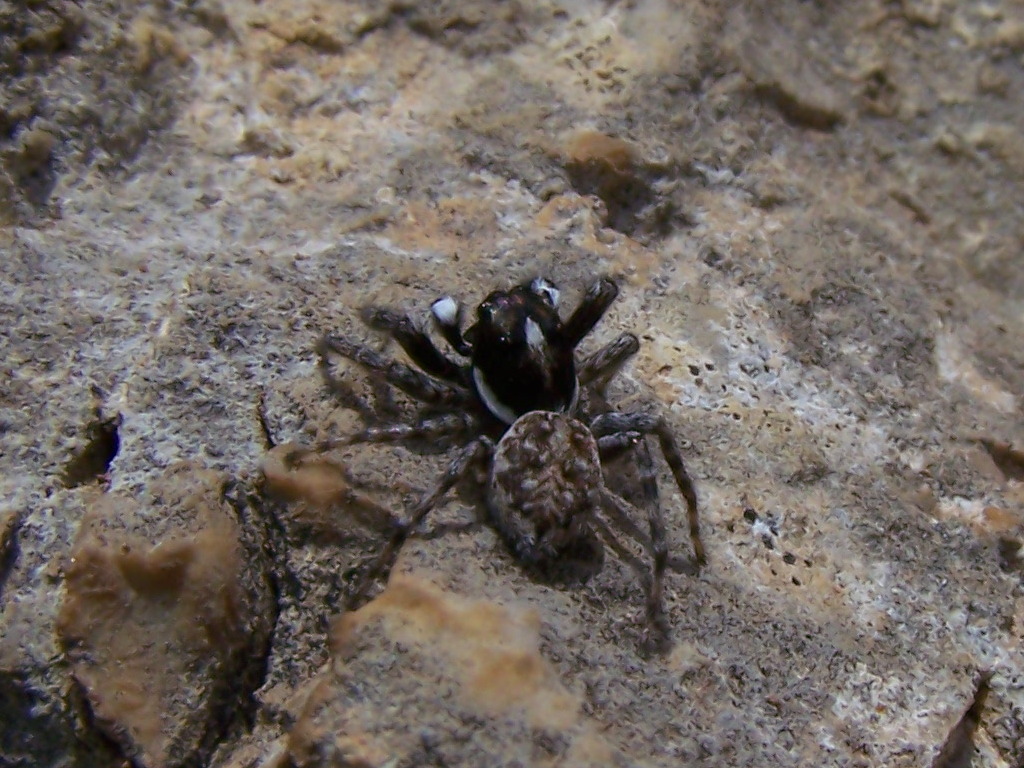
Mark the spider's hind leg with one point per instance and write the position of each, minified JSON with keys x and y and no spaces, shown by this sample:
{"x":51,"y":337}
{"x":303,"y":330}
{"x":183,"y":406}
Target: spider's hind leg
{"x":469,"y":458}
{"x":613,"y":423}
{"x":619,"y":510}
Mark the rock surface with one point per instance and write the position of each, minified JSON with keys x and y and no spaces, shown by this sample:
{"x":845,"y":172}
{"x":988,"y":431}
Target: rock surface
{"x":166,"y":619}
{"x":814,"y":215}
{"x":499,"y":702}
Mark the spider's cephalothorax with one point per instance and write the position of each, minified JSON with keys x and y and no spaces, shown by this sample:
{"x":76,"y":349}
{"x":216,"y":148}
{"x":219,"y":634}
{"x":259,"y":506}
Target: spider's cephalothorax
{"x":522,"y":356}
{"x":521,"y":359}
{"x":542,"y":481}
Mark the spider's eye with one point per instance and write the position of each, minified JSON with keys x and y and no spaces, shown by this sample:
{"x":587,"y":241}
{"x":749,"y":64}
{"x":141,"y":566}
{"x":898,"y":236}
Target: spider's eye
{"x":498,"y":319}
{"x":546,"y":290}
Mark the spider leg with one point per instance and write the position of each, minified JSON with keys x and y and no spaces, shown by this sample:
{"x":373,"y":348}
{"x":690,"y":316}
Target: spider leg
{"x":652,"y":582}
{"x":620,"y":515}
{"x":344,"y":393}
{"x":612,"y":446}
{"x":469,"y":457}
{"x":612,"y":540}
{"x":416,"y":343}
{"x":409,"y":380}
{"x":438,"y":428}
{"x":593,"y":306}
{"x":649,"y":484}
{"x":612,"y":423}
{"x":599,"y":369}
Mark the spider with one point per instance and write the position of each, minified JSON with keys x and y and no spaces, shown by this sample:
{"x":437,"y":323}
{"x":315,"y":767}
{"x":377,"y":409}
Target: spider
{"x":532,"y":428}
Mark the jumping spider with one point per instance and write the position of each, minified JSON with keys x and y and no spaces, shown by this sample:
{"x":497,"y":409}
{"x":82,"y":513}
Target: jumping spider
{"x":533,"y":429}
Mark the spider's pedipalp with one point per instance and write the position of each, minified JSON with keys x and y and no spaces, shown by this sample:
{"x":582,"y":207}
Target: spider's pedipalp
{"x":546,"y":290}
{"x":447,"y":313}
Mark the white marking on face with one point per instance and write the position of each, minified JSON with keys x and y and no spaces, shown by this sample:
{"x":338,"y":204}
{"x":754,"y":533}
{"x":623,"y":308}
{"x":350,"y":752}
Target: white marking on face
{"x":446,"y":310}
{"x":494,"y":405}
{"x":534,"y":335}
{"x":542,"y":287}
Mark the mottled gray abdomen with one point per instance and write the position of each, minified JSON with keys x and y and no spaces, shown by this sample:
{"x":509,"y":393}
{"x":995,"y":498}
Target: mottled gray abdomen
{"x":547,"y":473}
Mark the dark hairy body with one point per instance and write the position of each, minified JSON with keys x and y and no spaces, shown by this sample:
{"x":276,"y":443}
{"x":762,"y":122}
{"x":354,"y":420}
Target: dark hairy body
{"x":533,"y":430}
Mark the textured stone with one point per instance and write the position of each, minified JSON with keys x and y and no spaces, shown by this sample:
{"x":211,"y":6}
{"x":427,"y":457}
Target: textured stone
{"x":497,"y":700}
{"x":813,"y":214}
{"x":166,"y":617}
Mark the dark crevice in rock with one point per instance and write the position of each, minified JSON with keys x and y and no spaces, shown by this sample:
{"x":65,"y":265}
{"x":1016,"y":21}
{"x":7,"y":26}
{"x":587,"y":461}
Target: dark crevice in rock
{"x":286,"y":581}
{"x":264,"y":425}
{"x":469,"y":28}
{"x":799,"y":110}
{"x":1008,"y":459}
{"x":235,"y":703}
{"x":958,"y":751}
{"x":93,"y":740}
{"x":42,"y":731}
{"x":94,"y":459}
{"x":636,"y":193}
{"x":8,"y":550}
{"x":1010,"y":555}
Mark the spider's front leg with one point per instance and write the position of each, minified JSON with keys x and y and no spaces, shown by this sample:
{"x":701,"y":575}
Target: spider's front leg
{"x":600,"y":367}
{"x":591,"y":309}
{"x":608,"y":424}
{"x":417,"y":344}
{"x":412,"y":382}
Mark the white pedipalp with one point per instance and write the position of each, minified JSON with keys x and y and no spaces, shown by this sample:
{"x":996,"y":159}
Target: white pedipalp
{"x":446,"y":310}
{"x":545,"y":288}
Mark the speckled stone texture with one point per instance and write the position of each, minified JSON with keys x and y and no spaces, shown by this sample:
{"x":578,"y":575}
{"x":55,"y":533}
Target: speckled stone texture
{"x":815,"y":215}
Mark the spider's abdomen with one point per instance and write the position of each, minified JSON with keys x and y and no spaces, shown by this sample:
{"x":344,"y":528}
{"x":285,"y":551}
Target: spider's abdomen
{"x":547,"y":473}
